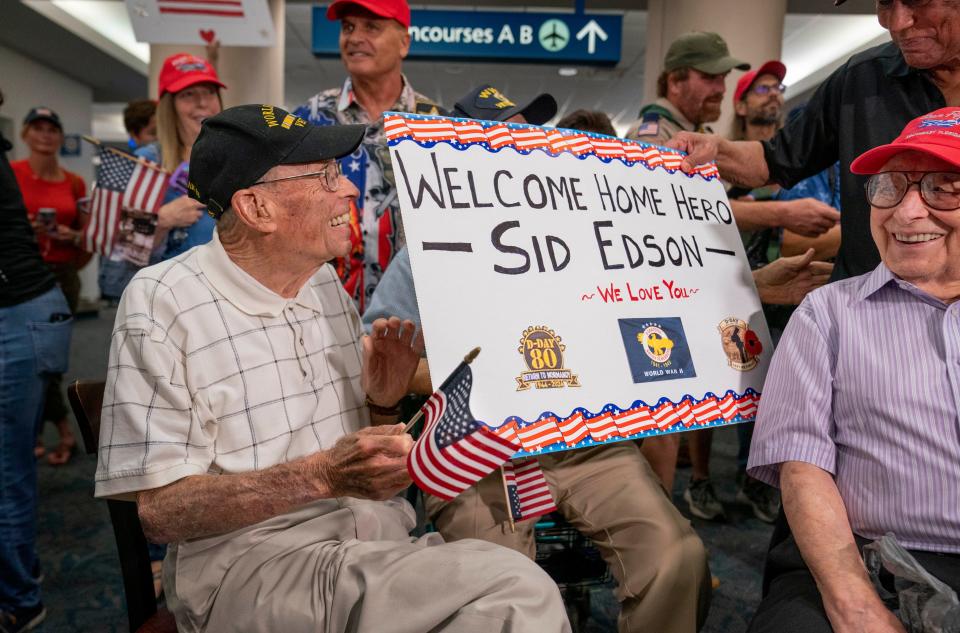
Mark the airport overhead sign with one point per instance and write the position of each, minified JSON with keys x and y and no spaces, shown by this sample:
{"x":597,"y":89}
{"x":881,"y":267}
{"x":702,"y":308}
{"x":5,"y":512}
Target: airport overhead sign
{"x":568,"y":38}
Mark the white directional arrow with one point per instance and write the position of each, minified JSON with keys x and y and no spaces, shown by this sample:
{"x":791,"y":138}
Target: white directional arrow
{"x":593,"y":31}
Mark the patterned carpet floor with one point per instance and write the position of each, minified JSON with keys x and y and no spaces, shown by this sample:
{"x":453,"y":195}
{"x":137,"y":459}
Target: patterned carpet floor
{"x":84,"y":593}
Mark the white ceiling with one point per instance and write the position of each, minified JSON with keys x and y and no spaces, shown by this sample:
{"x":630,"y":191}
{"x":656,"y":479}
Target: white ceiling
{"x":813,"y":44}
{"x":810,"y":43}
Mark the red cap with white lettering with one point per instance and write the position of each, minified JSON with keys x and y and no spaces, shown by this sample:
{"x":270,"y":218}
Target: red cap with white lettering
{"x":183,"y":70}
{"x":936,"y":133}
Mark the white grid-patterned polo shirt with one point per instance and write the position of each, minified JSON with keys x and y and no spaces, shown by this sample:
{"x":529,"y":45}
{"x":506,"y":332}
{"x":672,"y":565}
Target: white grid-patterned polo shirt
{"x":212,"y":372}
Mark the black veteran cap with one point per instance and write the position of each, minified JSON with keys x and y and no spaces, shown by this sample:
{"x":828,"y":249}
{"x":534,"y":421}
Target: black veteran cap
{"x":41,"y":113}
{"x":488,"y":103}
{"x":238,"y":146}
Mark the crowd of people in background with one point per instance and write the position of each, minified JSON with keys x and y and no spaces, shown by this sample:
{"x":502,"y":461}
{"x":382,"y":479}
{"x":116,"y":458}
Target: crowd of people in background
{"x":858,"y":427}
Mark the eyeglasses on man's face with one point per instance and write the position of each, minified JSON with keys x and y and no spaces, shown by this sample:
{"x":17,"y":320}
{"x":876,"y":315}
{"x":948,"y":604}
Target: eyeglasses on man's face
{"x":765,"y":89}
{"x":940,"y":190}
{"x":329,"y":177}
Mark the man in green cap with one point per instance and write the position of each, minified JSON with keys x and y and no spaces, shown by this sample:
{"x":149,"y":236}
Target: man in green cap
{"x":690,"y":92}
{"x":690,"y":89}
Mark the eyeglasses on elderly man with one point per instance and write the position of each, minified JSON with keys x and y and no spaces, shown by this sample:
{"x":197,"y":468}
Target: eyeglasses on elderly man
{"x":939,"y":189}
{"x":860,"y":408}
{"x":330,"y":178}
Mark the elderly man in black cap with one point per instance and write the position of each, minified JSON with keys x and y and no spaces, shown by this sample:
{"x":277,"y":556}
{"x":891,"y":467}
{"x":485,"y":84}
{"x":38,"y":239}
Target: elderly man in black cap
{"x":244,"y":415}
{"x":609,"y":493}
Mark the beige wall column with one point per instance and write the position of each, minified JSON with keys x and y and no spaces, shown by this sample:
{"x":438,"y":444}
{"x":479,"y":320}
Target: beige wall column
{"x":753,"y":30}
{"x":252,"y":74}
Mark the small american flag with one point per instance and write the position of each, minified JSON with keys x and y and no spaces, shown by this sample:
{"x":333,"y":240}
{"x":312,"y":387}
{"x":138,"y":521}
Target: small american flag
{"x":123,"y":182}
{"x":527,"y":489}
{"x":210,"y":8}
{"x":455,"y":451}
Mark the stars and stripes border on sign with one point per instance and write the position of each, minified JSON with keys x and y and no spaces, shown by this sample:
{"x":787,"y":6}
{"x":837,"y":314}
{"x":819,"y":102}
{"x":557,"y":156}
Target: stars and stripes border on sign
{"x":583,"y":428}
{"x":524,"y":138}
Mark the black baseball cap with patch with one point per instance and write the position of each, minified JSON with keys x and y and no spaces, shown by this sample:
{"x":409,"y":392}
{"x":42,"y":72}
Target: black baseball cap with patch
{"x":487,"y":103}
{"x":41,"y":113}
{"x":238,"y":146}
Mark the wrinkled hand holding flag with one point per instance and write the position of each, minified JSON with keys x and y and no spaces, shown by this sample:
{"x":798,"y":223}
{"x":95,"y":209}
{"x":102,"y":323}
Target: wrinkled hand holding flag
{"x":455,"y":451}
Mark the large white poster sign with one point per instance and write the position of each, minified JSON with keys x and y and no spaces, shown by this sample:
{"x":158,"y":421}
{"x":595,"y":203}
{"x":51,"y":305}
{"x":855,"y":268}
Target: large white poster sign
{"x":609,"y":291}
{"x":233,"y":22}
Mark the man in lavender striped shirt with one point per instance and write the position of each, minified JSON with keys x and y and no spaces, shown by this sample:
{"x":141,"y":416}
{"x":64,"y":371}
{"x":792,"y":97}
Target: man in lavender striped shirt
{"x":858,"y":423}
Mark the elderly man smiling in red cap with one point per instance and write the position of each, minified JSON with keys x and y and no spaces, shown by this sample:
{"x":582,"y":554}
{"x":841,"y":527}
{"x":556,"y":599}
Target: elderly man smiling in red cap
{"x":859,"y":423}
{"x":373,"y":43}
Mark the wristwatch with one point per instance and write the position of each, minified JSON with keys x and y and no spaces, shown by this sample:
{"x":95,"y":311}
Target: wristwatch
{"x":380,"y":409}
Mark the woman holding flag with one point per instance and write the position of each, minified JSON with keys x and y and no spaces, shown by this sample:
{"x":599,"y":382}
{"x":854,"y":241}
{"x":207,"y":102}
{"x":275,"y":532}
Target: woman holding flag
{"x":189,"y":90}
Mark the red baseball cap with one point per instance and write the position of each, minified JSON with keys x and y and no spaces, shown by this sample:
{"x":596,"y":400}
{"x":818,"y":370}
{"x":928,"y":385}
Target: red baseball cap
{"x":772,"y":67}
{"x":397,"y":10}
{"x":936,"y":133}
{"x":183,"y":70}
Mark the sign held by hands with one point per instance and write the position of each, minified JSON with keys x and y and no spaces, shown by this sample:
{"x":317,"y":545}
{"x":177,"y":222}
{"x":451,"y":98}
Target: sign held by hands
{"x":609,"y":290}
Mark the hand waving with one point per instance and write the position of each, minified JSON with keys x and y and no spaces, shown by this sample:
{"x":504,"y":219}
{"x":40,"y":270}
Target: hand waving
{"x":390,"y":357}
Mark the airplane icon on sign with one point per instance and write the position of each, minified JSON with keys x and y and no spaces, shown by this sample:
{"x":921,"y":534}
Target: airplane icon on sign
{"x":556,"y":39}
{"x":554,"y":35}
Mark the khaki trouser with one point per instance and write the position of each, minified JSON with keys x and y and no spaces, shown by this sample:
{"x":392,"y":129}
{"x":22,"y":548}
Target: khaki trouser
{"x":610,"y":494}
{"x":346,"y":565}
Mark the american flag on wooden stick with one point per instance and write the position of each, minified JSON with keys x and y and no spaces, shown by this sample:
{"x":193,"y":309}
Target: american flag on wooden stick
{"x":527,"y":489}
{"x":455,"y":451}
{"x":123,"y":182}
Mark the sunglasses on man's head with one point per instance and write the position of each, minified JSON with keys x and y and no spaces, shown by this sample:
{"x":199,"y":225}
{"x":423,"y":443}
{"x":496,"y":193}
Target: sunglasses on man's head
{"x":940,"y":190}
